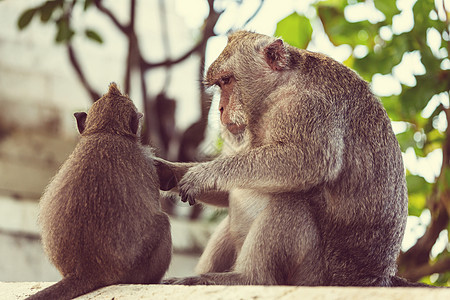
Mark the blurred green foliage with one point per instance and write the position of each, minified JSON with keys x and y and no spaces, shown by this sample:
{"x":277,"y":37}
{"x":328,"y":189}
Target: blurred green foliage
{"x":299,"y":28}
{"x":58,"y":12}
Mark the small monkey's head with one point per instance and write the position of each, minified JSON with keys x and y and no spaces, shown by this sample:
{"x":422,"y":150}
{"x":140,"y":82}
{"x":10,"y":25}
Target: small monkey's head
{"x":112,"y":113}
{"x":246,"y":71}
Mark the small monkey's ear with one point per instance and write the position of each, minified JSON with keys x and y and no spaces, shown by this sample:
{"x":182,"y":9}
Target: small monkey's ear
{"x":276,"y":55}
{"x":81,"y":121}
{"x":134,"y":122}
{"x":114,"y":90}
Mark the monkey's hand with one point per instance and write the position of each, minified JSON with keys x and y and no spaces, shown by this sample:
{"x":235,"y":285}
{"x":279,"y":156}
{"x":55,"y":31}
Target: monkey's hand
{"x":195,"y":182}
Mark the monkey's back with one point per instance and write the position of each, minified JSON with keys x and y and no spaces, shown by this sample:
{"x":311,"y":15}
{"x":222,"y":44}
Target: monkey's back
{"x":100,"y":213}
{"x":364,"y":213}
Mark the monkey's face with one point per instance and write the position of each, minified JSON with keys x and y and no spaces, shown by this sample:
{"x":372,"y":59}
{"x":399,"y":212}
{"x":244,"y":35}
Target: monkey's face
{"x":230,"y":107}
{"x":246,"y":72}
{"x":232,"y":114}
{"x":114,"y":113}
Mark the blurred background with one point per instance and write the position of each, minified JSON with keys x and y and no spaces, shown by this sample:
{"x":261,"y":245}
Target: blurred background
{"x":57,"y":57}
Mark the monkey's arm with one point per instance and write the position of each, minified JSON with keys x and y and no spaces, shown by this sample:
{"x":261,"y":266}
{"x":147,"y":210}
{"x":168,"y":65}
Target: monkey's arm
{"x":216,"y":198}
{"x":170,"y":173}
{"x":269,"y":168}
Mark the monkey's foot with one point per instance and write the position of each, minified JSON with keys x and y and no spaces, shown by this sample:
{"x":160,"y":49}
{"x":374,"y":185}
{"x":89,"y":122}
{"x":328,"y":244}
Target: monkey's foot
{"x":195,"y":280}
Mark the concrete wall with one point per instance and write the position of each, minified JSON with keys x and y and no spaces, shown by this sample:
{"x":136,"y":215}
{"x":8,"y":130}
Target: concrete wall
{"x":122,"y":292}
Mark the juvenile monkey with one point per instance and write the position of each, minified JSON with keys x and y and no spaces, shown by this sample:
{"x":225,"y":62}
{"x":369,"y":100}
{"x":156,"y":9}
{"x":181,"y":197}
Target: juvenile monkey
{"x":316,"y":183}
{"x":100,"y":215}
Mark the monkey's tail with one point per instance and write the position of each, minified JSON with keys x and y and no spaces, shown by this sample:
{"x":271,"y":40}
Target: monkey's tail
{"x":402,"y":282}
{"x":68,"y":288}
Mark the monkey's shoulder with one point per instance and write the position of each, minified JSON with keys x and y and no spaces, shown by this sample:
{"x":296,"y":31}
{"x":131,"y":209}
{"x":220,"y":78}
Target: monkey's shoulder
{"x":110,"y":149}
{"x":106,"y":161}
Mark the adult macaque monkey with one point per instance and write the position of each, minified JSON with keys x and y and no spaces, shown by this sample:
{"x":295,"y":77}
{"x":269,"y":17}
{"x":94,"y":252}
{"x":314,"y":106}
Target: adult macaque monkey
{"x":100,"y":216}
{"x":316,"y":184}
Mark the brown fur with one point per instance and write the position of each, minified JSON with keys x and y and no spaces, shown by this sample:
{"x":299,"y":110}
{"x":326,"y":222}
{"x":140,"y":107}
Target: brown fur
{"x":316,"y":183}
{"x":100,"y":216}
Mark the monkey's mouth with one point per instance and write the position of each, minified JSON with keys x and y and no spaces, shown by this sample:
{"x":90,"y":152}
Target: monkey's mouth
{"x":235,"y":128}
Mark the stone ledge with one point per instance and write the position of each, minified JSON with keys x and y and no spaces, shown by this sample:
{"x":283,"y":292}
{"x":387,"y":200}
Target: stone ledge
{"x":20,"y":290}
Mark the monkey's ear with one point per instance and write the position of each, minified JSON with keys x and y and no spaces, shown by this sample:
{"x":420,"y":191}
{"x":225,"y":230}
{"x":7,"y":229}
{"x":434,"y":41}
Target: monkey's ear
{"x":276,"y":55}
{"x":134,"y":122}
{"x":113,"y":89}
{"x":167,"y":177}
{"x":81,"y":121}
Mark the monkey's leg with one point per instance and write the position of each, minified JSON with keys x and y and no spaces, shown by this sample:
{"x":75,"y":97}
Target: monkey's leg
{"x":154,"y":261}
{"x":220,"y":253}
{"x":283,"y":247}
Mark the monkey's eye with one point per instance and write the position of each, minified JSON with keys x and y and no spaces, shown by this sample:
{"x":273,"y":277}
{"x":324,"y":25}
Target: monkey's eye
{"x":224,"y":81}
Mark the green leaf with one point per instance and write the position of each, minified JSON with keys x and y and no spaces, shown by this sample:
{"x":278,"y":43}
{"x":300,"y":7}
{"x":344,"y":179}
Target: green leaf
{"x":91,"y":34}
{"x":418,"y":189}
{"x":341,"y":4}
{"x":393,"y":107}
{"x":421,"y":10}
{"x":340,"y":31}
{"x":376,"y":60}
{"x":47,"y":10}
{"x":428,"y":127}
{"x":388,"y":8}
{"x":435,"y":140}
{"x":406,"y":139}
{"x":87,"y":4}
{"x":64,"y":33}
{"x":26,"y":17}
{"x":415,"y":99}
{"x":417,"y":185}
{"x":416,"y":204}
{"x":296,"y":30}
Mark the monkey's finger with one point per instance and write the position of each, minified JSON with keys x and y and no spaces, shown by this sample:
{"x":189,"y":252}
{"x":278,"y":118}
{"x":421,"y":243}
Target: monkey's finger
{"x":185,"y":197}
{"x":191,"y":200}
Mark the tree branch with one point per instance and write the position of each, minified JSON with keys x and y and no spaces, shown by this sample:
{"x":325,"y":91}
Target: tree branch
{"x":75,"y":64}
{"x":169,"y":62}
{"x":254,"y":14}
{"x":205,"y":99}
{"x":208,"y":32}
{"x":74,"y":60}
{"x":133,"y":50}
{"x":441,"y":266}
{"x":165,"y":39}
{"x":100,"y":7}
{"x":418,"y":256}
{"x":21,"y":235}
